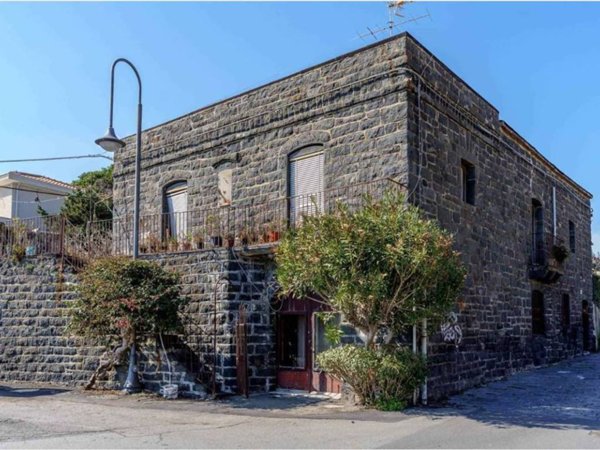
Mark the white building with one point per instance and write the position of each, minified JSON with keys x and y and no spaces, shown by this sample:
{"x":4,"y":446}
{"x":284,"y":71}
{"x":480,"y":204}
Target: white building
{"x":21,"y":193}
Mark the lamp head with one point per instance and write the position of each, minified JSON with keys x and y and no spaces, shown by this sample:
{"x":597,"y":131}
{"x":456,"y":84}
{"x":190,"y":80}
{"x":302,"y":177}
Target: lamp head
{"x":110,"y":142}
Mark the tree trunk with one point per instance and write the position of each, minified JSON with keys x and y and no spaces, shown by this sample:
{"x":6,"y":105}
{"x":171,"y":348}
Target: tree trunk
{"x":108,"y":364}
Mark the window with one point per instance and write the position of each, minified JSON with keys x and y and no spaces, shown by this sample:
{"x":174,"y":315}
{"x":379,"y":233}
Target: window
{"x":175,"y":210}
{"x":225,"y":187}
{"x":468,"y":182}
{"x":537,"y":232}
{"x":572,"y":236}
{"x":565,"y":314}
{"x":306,"y":182}
{"x":537,"y":313}
{"x":321,"y":343}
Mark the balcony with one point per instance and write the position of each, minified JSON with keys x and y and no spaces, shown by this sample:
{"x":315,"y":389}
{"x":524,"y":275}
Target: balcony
{"x":547,"y":259}
{"x":241,"y":226}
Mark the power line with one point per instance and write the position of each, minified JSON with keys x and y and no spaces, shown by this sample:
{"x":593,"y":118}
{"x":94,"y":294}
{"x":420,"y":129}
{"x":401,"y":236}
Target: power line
{"x":33,"y":191}
{"x":56,"y":158}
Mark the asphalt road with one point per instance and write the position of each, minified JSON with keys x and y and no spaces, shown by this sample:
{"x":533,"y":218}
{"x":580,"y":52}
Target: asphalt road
{"x":555,"y":407}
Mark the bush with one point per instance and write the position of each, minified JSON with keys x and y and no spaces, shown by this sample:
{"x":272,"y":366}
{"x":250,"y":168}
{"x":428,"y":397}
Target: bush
{"x":125,"y":300}
{"x":384,"y":266}
{"x":384,"y":378}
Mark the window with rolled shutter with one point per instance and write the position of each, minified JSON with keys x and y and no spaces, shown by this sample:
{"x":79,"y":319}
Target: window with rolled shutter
{"x":306,"y":185}
{"x":176,"y":210}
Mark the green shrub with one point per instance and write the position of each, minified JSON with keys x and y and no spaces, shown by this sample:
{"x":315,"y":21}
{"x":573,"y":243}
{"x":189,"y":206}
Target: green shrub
{"x":384,"y":378}
{"x":125,"y":300}
{"x":384,"y":265}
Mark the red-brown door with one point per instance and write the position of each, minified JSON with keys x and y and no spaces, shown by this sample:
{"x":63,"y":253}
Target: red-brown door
{"x":296,"y":328}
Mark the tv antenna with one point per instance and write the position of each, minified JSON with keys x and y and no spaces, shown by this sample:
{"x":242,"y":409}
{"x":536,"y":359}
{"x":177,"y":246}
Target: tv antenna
{"x":394,"y":12}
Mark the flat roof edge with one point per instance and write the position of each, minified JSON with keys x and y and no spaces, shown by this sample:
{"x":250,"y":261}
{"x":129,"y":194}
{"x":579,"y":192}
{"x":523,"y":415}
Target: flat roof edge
{"x":545,"y":161}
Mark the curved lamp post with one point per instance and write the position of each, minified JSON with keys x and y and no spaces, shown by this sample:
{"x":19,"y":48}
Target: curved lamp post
{"x":111,"y":143}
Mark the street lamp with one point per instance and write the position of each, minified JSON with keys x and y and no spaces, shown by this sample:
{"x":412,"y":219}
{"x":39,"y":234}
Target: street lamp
{"x":111,"y":143}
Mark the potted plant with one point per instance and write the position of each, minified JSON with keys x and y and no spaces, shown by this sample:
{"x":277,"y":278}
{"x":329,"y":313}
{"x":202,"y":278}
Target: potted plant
{"x":153,"y":243}
{"x":186,"y":242}
{"x":230,"y":240}
{"x":270,"y":232}
{"x":214,"y":227}
{"x":198,"y":239}
{"x":559,"y":253}
{"x":173,"y":244}
{"x":248,"y":236}
{"x":18,"y":252}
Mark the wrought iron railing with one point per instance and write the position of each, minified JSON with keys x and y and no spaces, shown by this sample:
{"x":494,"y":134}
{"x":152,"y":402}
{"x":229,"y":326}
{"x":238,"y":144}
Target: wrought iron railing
{"x":229,"y":226}
{"x":241,"y":225}
{"x":31,"y":237}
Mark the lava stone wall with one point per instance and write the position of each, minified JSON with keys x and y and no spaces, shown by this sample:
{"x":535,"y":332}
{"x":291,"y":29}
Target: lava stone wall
{"x":449,"y":122}
{"x":35,"y":345}
{"x":218,"y":283}
{"x":354,"y":106}
{"x":34,"y":296}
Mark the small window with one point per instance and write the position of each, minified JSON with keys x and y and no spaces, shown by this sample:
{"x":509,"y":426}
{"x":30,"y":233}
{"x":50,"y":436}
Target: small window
{"x":572,"y":236}
{"x":538,"y":325}
{"x":565,"y":314}
{"x":468,"y":182}
{"x":175,"y":209}
{"x":224,"y":185}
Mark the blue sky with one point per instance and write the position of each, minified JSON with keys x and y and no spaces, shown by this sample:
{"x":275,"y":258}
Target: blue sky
{"x":538,"y":63}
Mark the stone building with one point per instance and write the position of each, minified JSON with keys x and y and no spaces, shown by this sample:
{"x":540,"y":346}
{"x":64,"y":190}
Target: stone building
{"x":221,"y":183}
{"x":390,"y":111}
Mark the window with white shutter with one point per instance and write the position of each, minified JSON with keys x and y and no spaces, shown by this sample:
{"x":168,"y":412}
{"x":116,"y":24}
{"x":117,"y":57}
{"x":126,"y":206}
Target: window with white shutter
{"x":176,"y":210}
{"x":306,"y":185}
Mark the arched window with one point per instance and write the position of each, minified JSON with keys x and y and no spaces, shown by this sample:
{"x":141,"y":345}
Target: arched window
{"x":224,"y":185}
{"x":175,"y":210}
{"x":306,"y":181}
{"x":538,"y":325}
{"x":537,"y":232}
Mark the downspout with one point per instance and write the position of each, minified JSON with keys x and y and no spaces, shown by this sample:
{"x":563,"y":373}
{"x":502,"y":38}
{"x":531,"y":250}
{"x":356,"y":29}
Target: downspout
{"x":415,"y":351}
{"x":424,"y":338}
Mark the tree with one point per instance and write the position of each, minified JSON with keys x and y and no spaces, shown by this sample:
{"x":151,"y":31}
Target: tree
{"x":122,"y":301}
{"x":384,"y":266}
{"x":91,"y":200}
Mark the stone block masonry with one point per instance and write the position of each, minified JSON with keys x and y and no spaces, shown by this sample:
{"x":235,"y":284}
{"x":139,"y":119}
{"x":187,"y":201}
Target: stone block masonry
{"x":34,"y":347}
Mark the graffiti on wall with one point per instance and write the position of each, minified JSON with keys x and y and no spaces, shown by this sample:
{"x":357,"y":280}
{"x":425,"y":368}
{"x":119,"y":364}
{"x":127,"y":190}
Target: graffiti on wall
{"x":451,"y":331}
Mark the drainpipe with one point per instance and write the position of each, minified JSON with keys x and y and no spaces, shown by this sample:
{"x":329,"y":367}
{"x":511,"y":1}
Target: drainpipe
{"x":554,"y":214}
{"x":414,"y":349}
{"x":424,"y":353}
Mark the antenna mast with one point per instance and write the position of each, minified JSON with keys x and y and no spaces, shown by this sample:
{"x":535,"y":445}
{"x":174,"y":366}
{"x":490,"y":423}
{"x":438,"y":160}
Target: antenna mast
{"x":394,"y":9}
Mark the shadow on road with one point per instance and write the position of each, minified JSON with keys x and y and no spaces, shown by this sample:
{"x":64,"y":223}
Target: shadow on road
{"x":271,"y":402}
{"x":564,"y":396}
{"x":23,"y":392}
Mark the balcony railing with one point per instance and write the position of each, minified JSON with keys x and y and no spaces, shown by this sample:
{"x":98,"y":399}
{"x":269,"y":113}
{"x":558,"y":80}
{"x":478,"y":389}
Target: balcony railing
{"x":243,"y":225}
{"x":547,"y":258}
{"x":226,"y":227}
{"x":31,"y":237}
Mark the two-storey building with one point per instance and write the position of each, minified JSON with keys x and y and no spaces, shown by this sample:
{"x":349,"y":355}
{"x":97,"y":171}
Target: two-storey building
{"x":221,"y":183}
